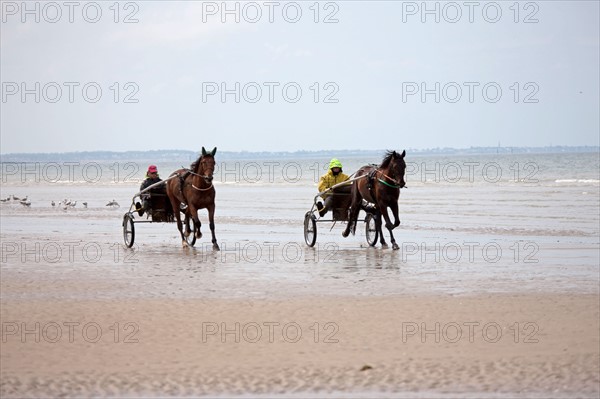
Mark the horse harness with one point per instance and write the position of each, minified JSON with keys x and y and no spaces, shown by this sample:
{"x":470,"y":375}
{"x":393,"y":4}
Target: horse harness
{"x":183,"y":176}
{"x":372,"y":175}
{"x":396,"y":182}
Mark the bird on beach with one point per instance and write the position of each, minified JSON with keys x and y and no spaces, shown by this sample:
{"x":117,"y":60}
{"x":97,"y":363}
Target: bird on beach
{"x":4,"y":199}
{"x":25,"y":203}
{"x":16,"y":198}
{"x":52,"y":203}
{"x":84,"y":204}
{"x":113,"y":203}
{"x":72,"y":204}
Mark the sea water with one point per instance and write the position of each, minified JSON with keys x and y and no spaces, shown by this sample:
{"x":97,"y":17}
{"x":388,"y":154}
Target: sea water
{"x":493,"y":223}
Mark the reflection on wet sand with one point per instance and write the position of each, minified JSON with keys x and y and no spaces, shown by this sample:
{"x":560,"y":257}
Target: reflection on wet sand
{"x":519,"y":258}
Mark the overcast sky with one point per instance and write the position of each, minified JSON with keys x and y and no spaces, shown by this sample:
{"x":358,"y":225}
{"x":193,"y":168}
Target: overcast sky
{"x":524,"y":75}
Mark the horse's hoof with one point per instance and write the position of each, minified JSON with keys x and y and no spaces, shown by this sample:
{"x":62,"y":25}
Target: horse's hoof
{"x":345,"y":234}
{"x":187,"y":233}
{"x":184,"y":244}
{"x":384,"y":245}
{"x":198,"y":235}
{"x":216,"y":247}
{"x":395,"y":247}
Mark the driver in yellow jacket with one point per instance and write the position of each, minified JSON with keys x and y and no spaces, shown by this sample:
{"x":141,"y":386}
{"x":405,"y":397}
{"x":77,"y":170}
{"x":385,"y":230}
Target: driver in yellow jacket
{"x":333,"y":176}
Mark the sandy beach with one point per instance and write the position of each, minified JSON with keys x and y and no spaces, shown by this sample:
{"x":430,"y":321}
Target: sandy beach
{"x":500,"y":346}
{"x":493,"y":293}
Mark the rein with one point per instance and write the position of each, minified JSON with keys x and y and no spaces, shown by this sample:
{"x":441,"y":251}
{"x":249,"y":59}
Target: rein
{"x":196,"y":174}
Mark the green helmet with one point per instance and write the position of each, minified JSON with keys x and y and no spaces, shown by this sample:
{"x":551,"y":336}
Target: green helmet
{"x":335,"y":163}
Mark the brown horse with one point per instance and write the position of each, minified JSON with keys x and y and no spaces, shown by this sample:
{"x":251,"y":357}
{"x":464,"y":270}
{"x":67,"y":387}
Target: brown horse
{"x":195,"y":189}
{"x":382,"y":188}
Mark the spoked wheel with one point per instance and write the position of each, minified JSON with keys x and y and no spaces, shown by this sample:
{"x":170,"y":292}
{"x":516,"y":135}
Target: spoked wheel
{"x":191,"y":239}
{"x":128,"y":230}
{"x":310,"y":229}
{"x":371,"y":230}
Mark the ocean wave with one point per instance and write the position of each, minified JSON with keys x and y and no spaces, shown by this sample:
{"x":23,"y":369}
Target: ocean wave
{"x":582,"y":181}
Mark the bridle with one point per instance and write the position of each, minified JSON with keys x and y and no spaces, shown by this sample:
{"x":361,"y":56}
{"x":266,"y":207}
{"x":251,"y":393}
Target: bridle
{"x":205,"y":177}
{"x":396,"y":182}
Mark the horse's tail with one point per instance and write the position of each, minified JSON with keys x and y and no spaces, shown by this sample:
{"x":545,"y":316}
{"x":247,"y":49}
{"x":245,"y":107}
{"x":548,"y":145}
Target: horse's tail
{"x":352,"y":221}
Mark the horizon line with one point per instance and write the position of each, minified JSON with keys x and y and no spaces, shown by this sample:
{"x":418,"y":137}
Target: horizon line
{"x":305,"y":150}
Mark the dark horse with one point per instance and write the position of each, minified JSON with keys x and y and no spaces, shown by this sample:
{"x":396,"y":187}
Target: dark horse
{"x":381,"y":186}
{"x":195,"y":189}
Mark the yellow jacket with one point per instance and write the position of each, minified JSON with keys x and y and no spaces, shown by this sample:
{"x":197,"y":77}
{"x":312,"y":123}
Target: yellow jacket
{"x":328,"y":180}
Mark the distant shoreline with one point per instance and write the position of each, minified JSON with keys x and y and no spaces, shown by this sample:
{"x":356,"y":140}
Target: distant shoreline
{"x":165,"y":155}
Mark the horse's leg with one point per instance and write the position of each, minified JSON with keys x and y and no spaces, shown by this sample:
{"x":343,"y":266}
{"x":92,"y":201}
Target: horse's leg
{"x":193,"y":211}
{"x":393,"y":240}
{"x":211,"y":224}
{"x":175,"y":204}
{"x":386,"y":216}
{"x":198,"y":224}
{"x":354,"y":210}
{"x":187,"y":224}
{"x":352,"y":217}
{"x":394,"y":209}
{"x":380,"y":230}
{"x":389,"y":226}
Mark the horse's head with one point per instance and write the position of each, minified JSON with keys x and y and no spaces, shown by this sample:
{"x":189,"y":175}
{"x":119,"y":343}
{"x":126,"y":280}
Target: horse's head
{"x":396,"y":166}
{"x":206,"y":164}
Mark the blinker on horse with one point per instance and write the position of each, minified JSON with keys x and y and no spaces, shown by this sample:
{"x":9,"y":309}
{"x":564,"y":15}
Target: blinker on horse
{"x":195,"y":189}
{"x":381,"y":186}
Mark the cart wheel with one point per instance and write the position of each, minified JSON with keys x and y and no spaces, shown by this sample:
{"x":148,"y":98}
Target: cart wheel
{"x":191,"y":239}
{"x":371,"y":230}
{"x":310,"y":229}
{"x":128,"y":230}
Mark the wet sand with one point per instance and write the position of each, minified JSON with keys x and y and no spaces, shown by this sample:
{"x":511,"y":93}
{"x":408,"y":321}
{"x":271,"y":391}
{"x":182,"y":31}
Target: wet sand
{"x":193,"y":322}
{"x":518,"y":319}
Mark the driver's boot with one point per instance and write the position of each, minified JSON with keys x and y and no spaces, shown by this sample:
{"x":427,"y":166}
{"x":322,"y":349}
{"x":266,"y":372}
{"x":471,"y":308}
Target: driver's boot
{"x":139,"y":208}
